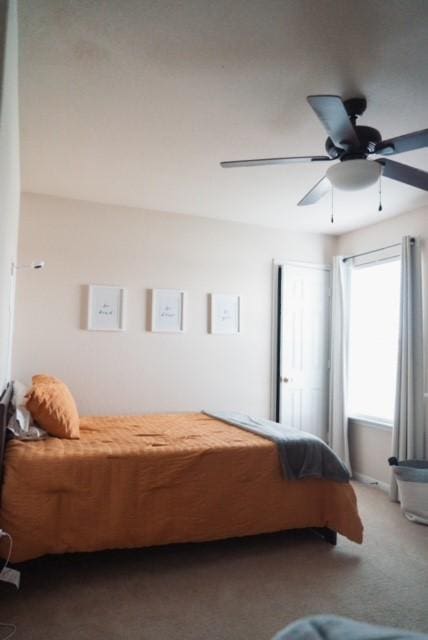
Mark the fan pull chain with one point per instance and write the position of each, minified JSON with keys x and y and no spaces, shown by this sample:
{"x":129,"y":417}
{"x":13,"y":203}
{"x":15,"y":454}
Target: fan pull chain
{"x":332,"y":206}
{"x":380,"y":208}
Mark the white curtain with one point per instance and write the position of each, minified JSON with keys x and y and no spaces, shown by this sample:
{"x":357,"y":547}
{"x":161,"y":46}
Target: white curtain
{"x":409,"y":431}
{"x":338,"y":416}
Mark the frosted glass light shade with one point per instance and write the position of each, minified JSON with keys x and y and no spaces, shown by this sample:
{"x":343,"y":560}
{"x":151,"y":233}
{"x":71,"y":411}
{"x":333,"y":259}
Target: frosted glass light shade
{"x":354,"y":174}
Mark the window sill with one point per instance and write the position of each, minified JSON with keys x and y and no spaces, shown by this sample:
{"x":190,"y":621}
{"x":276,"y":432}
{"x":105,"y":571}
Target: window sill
{"x":372,"y":422}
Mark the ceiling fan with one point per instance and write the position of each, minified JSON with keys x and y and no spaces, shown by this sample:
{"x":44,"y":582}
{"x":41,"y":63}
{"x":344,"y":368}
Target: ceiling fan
{"x":352,"y":144}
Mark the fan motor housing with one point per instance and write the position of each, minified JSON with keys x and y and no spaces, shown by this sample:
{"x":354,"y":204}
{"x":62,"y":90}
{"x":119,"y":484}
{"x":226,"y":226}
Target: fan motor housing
{"x":368,"y":138}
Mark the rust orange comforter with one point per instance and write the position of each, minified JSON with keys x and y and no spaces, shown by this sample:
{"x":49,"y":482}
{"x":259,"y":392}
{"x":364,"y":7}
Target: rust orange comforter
{"x":158,"y":479}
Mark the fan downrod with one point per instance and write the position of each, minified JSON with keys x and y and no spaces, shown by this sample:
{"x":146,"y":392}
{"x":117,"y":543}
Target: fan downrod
{"x":355,"y":107}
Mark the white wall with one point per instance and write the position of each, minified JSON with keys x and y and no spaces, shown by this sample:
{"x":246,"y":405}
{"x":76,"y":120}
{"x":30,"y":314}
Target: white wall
{"x":9,"y":176}
{"x":370,"y":447}
{"x":138,"y":371}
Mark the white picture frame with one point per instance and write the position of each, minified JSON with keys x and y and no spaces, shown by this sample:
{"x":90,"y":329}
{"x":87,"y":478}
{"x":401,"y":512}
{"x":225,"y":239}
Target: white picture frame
{"x":167,"y":313}
{"x":225,"y":314}
{"x":106,"y":308}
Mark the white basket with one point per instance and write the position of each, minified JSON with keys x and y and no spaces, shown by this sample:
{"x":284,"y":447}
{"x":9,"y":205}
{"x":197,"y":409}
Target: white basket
{"x":414,"y":500}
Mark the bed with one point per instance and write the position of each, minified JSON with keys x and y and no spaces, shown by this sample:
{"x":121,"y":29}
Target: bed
{"x":137,"y":481}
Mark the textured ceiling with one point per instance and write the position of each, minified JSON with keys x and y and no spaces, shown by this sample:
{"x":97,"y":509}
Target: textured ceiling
{"x":136,"y":102}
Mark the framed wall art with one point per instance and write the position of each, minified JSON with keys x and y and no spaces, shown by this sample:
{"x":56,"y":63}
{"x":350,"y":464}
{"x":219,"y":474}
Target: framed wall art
{"x":106,"y":308}
{"x":168,"y":310}
{"x":225,"y":316}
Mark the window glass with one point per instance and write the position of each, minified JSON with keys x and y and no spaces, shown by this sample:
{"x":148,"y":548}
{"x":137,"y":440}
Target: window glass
{"x":373,"y":346}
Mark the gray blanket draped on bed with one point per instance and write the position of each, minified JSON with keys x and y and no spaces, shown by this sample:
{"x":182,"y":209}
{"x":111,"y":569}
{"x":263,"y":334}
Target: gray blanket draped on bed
{"x":301,"y":454}
{"x":326,"y":627}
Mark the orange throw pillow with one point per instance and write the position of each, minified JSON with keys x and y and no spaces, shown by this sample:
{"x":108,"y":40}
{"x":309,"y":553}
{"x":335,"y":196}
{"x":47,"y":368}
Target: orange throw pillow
{"x":53,"y":408}
{"x":43,"y":378}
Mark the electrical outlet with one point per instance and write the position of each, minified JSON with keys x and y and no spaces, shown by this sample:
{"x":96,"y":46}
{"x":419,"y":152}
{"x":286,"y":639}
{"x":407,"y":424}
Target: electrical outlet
{"x":11,"y":575}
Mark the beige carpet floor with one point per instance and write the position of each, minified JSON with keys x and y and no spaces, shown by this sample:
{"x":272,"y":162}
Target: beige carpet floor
{"x":243,"y":589}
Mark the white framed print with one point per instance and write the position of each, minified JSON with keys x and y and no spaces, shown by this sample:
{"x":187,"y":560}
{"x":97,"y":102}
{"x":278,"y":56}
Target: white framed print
{"x":106,"y":308}
{"x":225,"y":313}
{"x":168,"y":310}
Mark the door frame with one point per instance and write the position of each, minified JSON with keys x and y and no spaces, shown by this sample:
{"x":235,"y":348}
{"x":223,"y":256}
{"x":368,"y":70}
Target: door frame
{"x":277,"y":338}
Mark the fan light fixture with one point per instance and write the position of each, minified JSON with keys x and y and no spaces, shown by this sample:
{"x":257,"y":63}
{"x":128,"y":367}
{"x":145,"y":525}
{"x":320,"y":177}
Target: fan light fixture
{"x":352,"y":175}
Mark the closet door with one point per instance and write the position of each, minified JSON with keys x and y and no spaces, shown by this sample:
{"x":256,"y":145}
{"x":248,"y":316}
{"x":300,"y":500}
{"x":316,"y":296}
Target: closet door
{"x":304,"y":351}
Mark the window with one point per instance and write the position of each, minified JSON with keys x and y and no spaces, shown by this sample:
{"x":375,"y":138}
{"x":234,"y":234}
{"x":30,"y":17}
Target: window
{"x":373,"y":339}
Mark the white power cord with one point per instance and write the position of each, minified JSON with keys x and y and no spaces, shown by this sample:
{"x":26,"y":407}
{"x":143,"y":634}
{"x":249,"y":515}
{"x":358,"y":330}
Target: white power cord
{"x":11,"y":627}
{"x":4,"y":625}
{"x":5,"y":534}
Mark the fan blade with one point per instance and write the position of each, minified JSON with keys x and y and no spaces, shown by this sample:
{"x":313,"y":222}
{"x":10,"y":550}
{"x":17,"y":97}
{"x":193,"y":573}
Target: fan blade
{"x":333,"y":115}
{"x":316,"y":193}
{"x":261,"y":161}
{"x":408,"y":142}
{"x":404,"y":173}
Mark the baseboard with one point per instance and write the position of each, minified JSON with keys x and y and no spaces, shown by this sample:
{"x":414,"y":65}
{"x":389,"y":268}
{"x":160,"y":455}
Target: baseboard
{"x":361,"y":477}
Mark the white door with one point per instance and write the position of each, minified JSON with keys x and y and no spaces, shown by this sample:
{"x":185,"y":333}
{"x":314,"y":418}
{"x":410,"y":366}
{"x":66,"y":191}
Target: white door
{"x":304,"y":366}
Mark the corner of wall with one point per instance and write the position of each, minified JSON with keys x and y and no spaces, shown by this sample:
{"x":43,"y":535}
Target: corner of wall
{"x":9,"y":177}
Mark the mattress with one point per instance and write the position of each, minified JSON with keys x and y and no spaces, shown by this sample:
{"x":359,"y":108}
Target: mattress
{"x":148,"y":480}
